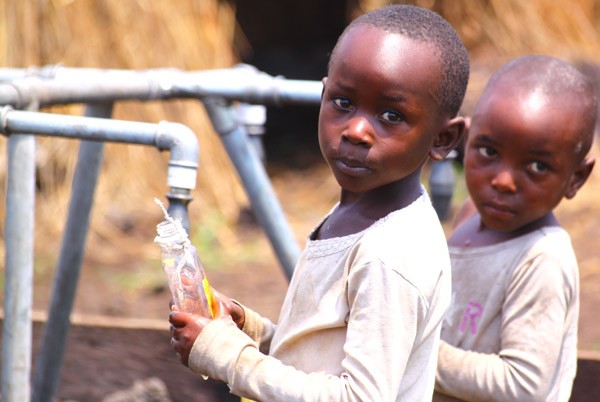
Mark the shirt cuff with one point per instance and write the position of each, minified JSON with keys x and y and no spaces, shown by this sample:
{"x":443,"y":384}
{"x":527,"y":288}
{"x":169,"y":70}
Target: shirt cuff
{"x":217,"y":349}
{"x":253,"y":324}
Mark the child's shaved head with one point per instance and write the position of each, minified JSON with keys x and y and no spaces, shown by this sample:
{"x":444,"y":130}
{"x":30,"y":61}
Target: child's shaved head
{"x":558,"y":82}
{"x":428,"y":27}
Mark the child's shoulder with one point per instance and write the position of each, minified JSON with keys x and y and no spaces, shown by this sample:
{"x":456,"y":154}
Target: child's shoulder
{"x":467,"y":237}
{"x":553,"y":240}
{"x":549,"y":246}
{"x":414,"y":222}
{"x":408,"y":237}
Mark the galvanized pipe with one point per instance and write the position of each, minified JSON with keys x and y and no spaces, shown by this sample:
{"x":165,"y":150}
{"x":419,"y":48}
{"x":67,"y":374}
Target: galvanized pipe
{"x":242,"y":83}
{"x":9,"y":74}
{"x":256,"y":182}
{"x":18,"y":293}
{"x":175,"y":137}
{"x":105,"y":86}
{"x":56,"y":330}
{"x":247,"y":84}
{"x":183,"y":164}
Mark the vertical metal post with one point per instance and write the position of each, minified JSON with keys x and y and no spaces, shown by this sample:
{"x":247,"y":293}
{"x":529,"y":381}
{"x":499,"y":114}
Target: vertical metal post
{"x":56,"y":330}
{"x":18,"y":293}
{"x":256,"y":182}
{"x":441,"y":185}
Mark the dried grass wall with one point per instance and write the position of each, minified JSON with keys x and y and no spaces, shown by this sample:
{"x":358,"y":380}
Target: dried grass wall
{"x":133,"y":34}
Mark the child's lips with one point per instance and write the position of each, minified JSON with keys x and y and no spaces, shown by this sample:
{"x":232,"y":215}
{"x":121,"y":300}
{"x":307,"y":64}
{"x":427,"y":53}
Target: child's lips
{"x":499,"y":211}
{"x":352,"y":167}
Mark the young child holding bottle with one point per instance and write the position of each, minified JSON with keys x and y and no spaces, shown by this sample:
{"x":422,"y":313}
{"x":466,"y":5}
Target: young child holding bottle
{"x":511,"y":331}
{"x":362,"y":316}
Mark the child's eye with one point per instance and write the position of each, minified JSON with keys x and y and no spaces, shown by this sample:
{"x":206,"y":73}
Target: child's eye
{"x":538,"y":167}
{"x":392,"y":116}
{"x":343,"y":103}
{"x":487,"y":152}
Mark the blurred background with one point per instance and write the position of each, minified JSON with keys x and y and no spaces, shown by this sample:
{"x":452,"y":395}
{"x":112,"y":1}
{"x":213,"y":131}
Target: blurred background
{"x":122,"y":276}
{"x":288,"y":38}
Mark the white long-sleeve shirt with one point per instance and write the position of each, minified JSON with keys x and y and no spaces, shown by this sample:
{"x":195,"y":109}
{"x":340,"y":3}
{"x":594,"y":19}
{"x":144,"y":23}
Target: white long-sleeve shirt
{"x":360,"y":321}
{"x":511,"y":331}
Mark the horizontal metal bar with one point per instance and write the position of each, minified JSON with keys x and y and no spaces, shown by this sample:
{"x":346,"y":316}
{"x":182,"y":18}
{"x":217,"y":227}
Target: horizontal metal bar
{"x":89,"y":128}
{"x":241,"y":83}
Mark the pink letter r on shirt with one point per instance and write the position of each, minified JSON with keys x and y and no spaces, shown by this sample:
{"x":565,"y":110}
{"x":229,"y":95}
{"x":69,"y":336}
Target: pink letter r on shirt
{"x":472,"y":312}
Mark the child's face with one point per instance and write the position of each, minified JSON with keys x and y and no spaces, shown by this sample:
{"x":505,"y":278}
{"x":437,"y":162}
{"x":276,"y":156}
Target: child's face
{"x":521,"y":158}
{"x":379,"y":115}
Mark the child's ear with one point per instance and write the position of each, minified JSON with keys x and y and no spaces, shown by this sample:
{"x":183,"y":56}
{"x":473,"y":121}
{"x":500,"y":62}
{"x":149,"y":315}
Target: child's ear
{"x":580,"y":175}
{"x":448,"y":138}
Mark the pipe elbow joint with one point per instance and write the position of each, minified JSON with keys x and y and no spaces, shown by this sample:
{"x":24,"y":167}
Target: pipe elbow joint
{"x":221,"y":115}
{"x":4,"y":111}
{"x":181,"y":141}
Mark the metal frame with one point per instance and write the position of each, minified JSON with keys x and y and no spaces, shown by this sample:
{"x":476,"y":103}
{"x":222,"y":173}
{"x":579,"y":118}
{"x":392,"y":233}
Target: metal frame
{"x":16,"y":357}
{"x":99,"y":89}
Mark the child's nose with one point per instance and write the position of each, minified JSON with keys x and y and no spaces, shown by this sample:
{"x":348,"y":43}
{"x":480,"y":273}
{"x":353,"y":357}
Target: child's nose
{"x":359,"y":132}
{"x":505,"y":182}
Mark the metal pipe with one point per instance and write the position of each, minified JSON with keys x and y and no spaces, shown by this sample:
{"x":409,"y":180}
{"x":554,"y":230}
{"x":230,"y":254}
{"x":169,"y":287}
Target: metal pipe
{"x":256,"y":182}
{"x":442,"y":181}
{"x":56,"y":330}
{"x":9,"y":74}
{"x":177,"y":138}
{"x":242,"y":83}
{"x":18,"y":293}
{"x":247,"y":84}
{"x":183,"y":165}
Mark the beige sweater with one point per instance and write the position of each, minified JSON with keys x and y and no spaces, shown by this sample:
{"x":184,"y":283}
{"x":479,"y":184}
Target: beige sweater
{"x":360,"y":321}
{"x":511,"y":331}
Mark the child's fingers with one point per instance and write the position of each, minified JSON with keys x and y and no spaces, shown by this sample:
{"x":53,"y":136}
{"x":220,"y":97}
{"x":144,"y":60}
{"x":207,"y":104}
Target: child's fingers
{"x":178,"y":319}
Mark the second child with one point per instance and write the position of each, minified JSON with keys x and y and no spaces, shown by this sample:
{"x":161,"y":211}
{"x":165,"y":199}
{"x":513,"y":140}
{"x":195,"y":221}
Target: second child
{"x":511,"y":331}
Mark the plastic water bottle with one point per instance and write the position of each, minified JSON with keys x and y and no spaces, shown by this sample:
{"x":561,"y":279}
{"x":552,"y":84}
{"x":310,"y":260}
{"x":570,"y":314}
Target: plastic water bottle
{"x":187,"y":281}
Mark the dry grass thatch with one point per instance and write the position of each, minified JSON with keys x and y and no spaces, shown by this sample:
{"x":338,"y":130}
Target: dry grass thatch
{"x":139,"y":34}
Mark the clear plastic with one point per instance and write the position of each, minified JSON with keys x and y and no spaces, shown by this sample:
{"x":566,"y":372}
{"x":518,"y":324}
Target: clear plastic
{"x":186,"y":277}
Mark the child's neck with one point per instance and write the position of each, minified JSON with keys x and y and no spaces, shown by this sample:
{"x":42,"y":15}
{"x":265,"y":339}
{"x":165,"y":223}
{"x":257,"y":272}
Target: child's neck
{"x":474,"y":233}
{"x":358,"y":211}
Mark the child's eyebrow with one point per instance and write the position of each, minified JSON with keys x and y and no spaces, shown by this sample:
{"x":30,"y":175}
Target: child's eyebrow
{"x":486,"y":139}
{"x":394,"y":98}
{"x":482,"y":138}
{"x":541,"y":152}
{"x":340,"y":86}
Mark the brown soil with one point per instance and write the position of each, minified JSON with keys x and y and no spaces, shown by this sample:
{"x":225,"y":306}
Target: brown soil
{"x":101,"y":359}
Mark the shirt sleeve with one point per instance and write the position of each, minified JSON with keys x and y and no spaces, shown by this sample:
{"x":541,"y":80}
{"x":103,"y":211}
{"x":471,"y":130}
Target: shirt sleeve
{"x":382,"y":325}
{"x":258,"y":328}
{"x":532,"y":329}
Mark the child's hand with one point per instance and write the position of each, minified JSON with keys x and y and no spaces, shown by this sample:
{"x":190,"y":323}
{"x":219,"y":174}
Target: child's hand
{"x":229,"y":307}
{"x":185,"y":328}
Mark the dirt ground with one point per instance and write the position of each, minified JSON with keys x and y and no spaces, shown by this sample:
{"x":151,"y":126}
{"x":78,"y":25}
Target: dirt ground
{"x":101,"y":360}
